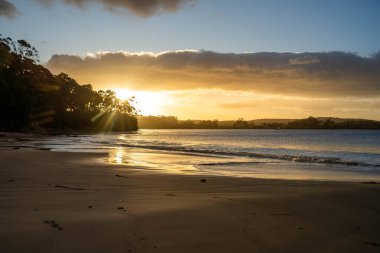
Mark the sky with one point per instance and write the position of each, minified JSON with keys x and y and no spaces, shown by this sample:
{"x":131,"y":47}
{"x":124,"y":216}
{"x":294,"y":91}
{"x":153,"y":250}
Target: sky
{"x":213,"y":59}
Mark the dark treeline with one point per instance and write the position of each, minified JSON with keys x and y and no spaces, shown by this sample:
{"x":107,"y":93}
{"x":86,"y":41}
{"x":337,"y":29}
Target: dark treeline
{"x":31,"y":98}
{"x":171,"y":122}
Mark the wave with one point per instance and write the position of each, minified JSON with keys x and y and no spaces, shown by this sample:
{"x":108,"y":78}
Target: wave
{"x":291,"y":158}
{"x":227,"y":163}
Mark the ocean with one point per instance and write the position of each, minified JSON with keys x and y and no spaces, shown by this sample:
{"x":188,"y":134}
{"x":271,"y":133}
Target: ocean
{"x":334,"y":155}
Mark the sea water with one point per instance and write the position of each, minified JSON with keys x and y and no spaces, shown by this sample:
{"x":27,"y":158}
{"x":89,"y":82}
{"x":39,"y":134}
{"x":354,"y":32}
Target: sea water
{"x":342,"y":155}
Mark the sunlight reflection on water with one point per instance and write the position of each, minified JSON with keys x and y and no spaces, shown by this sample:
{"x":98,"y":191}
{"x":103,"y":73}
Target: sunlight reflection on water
{"x":120,"y":156}
{"x":124,"y":156}
{"x":151,"y":161}
{"x":354,"y":155}
{"x":191,"y":164}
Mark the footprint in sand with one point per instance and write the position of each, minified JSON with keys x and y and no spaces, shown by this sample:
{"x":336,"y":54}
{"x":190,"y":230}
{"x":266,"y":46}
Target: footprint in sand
{"x":53,"y":224}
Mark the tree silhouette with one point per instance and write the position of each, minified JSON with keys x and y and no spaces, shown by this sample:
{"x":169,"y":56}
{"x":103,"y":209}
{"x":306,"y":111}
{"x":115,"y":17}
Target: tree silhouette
{"x":241,"y":123}
{"x":33,"y":98}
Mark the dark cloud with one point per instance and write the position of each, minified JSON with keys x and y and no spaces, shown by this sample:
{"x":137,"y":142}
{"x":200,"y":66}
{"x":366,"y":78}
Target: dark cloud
{"x":144,"y":8}
{"x":7,"y":9}
{"x":296,"y":74}
{"x":306,"y":59}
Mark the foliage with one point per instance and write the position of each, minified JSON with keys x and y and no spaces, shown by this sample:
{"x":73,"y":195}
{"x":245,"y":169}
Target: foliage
{"x":170,"y":122}
{"x":158,"y":122}
{"x":33,"y":98}
{"x":241,"y":124}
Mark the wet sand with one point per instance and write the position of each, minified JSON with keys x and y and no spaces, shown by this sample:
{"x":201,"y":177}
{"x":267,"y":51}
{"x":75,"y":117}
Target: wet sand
{"x":73,"y":202}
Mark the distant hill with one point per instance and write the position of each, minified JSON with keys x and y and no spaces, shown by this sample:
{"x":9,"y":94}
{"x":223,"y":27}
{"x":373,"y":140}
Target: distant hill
{"x":172,"y":122}
{"x":284,"y":121}
{"x":270,"y":121}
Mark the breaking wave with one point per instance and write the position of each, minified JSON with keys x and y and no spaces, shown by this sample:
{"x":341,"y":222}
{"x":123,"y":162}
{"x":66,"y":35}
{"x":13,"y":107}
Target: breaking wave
{"x":287,"y":157}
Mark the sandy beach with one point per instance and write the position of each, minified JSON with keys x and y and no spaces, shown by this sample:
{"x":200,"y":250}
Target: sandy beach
{"x":74,"y":202}
{"x":189,"y":126}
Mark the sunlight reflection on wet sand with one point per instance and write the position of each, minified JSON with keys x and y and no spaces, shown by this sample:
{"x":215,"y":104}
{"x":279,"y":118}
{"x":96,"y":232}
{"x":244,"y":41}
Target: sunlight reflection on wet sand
{"x":146,"y":160}
{"x":176,"y":163}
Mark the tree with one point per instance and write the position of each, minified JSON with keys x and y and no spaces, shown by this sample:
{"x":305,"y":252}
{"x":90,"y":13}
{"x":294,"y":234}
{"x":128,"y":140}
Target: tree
{"x":21,"y":48}
{"x":32,"y":98}
{"x":241,"y":124}
{"x":309,"y":123}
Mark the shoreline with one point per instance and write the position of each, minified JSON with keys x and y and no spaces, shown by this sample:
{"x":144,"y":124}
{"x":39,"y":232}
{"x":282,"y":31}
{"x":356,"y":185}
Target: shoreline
{"x":25,"y":142}
{"x":118,"y":208}
{"x":282,"y":166}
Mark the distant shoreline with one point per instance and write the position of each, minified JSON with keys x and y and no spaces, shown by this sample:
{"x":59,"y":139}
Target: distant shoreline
{"x":171,"y":122}
{"x":4,"y":133}
{"x":322,"y":129}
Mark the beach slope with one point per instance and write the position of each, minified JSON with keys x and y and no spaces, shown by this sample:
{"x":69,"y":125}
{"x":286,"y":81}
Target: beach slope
{"x":74,"y":202}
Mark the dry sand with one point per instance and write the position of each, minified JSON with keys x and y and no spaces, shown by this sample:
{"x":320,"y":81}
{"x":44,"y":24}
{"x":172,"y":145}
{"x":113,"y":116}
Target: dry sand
{"x":72,"y":202}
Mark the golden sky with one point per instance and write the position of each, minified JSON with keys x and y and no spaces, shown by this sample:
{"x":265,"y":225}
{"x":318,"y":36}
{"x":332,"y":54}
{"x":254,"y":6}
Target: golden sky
{"x":208,"y":85}
{"x":109,"y":44}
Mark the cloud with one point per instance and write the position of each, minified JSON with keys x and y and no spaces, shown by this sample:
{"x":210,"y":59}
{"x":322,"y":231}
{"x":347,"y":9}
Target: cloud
{"x":306,"y":59}
{"x":332,"y":74}
{"x":143,"y":8}
{"x":7,"y":9}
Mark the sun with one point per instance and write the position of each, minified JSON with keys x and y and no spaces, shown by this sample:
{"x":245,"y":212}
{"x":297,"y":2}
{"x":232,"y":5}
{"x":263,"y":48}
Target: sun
{"x":147,"y":103}
{"x":123,"y":94}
